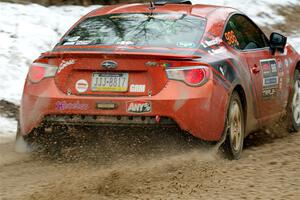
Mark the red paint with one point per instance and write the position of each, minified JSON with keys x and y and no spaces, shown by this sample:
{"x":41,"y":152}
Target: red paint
{"x":200,"y":110}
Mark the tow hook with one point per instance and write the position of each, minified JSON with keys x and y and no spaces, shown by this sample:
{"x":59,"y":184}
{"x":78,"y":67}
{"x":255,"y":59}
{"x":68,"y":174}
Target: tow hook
{"x":157,"y":118}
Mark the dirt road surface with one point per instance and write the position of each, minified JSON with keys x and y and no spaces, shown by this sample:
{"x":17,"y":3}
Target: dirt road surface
{"x":157,"y":165}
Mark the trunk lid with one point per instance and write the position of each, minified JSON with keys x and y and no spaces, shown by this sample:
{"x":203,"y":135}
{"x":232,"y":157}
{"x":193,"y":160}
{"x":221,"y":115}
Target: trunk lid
{"x":112,"y":74}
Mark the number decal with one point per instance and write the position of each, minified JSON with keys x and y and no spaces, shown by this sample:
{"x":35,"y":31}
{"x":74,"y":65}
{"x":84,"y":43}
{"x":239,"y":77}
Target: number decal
{"x":231,"y":38}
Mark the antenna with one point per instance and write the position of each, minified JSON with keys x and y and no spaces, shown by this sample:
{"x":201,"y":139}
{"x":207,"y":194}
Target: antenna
{"x":152,"y":6}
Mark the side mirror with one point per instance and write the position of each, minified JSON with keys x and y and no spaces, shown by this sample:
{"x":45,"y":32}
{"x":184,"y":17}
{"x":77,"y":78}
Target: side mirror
{"x":277,"y":42}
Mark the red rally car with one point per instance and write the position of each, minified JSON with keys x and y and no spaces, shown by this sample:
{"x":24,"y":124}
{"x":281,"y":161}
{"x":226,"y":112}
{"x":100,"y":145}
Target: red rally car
{"x":208,"y":69}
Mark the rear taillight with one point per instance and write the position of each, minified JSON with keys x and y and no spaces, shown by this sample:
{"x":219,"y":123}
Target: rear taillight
{"x":193,"y":76}
{"x":39,"y":71}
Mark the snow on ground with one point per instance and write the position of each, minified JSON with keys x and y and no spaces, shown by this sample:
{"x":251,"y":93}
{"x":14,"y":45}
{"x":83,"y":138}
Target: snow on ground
{"x":28,"y":30}
{"x":25,"y":32}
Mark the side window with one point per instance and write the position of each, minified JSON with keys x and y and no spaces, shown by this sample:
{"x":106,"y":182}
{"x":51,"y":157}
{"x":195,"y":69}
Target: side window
{"x":242,"y":34}
{"x":232,"y":36}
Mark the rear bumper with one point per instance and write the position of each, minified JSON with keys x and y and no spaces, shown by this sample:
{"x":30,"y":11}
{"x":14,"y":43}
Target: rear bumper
{"x":194,"y":109}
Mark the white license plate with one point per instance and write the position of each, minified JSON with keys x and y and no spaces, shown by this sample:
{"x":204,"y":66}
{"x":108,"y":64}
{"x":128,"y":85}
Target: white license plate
{"x":110,"y":82}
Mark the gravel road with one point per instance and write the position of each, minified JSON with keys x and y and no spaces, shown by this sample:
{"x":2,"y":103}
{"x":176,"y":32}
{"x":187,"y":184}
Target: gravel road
{"x":158,"y":164}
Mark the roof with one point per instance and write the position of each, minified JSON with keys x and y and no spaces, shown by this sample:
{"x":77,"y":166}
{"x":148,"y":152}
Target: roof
{"x":198,"y":10}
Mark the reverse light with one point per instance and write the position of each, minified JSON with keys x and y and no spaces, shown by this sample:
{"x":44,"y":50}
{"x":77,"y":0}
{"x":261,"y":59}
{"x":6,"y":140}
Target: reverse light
{"x":39,"y":71}
{"x":193,"y":76}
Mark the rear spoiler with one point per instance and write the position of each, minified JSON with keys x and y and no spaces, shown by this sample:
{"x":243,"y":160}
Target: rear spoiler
{"x":156,"y":53}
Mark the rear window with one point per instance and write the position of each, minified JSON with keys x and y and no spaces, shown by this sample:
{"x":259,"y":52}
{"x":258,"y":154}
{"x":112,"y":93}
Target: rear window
{"x":138,"y":29}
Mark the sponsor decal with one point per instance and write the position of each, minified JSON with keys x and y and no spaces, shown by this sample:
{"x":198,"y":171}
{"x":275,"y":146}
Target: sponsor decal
{"x":63,"y":105}
{"x":270,"y":75}
{"x":125,"y":43}
{"x":269,"y":93}
{"x":155,"y":64}
{"x":185,"y":44}
{"x":64,"y":64}
{"x":83,"y":42}
{"x":138,"y":107}
{"x":273,"y":67}
{"x":270,"y":81}
{"x":270,"y":78}
{"x":137,"y":88}
{"x":212,"y":44}
{"x":209,"y":43}
{"x":81,"y":86}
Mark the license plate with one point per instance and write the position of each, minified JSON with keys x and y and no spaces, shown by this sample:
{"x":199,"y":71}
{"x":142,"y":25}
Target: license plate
{"x":110,"y":82}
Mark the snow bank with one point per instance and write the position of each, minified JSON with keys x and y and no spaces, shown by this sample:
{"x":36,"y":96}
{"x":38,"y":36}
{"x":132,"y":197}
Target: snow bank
{"x":25,"y":32}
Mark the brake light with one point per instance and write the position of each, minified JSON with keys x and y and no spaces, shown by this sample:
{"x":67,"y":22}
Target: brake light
{"x":193,"y":76}
{"x":39,"y":71}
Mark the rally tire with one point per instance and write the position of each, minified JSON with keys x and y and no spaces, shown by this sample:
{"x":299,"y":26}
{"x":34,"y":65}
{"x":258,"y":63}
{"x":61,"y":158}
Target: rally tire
{"x":293,"y":109}
{"x":234,"y":129}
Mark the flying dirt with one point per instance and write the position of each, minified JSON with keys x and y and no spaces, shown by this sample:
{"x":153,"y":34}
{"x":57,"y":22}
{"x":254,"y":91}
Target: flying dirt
{"x":151,"y":164}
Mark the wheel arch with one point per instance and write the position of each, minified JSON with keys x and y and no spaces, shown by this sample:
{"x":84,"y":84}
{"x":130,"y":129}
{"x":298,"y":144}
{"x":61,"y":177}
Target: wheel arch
{"x":241,"y":92}
{"x":292,"y":75}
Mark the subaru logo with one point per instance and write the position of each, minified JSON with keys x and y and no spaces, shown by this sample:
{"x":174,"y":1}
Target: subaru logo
{"x":109,"y":64}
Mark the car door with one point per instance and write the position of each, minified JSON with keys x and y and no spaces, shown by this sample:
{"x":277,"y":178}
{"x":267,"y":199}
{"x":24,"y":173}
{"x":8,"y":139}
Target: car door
{"x":265,"y":68}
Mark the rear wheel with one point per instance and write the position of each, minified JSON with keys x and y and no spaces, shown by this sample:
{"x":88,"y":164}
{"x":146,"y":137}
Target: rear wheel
{"x":294,"y":105}
{"x":234,"y":129}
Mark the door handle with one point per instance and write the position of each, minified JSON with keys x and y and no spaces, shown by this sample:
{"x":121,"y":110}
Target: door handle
{"x":255,"y":69}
